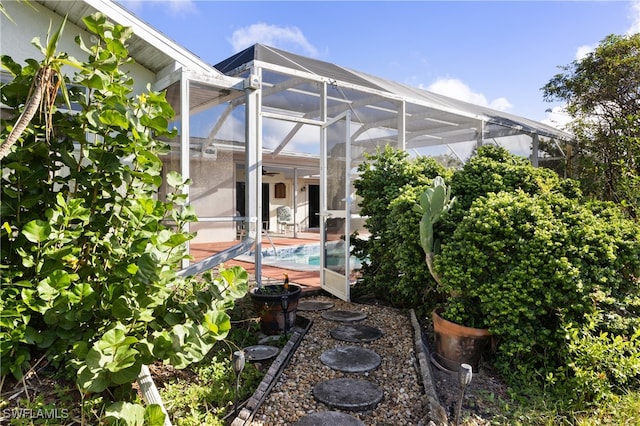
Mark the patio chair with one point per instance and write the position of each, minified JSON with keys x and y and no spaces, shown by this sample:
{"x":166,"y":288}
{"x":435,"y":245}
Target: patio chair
{"x":285,"y":218}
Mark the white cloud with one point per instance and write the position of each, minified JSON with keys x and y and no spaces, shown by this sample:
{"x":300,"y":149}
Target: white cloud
{"x":635,"y":18}
{"x":455,"y":88}
{"x":557,"y":117}
{"x":584,"y":50}
{"x":287,"y":38}
{"x":501,"y":104}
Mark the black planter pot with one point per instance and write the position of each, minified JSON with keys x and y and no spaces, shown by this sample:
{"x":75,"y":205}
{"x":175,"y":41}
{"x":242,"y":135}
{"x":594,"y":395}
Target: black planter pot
{"x":271,"y":302}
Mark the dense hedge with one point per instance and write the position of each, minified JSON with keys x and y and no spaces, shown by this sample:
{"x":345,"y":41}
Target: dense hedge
{"x":555,"y":277}
{"x":494,"y":169}
{"x":394,"y":270}
{"x":533,"y":267}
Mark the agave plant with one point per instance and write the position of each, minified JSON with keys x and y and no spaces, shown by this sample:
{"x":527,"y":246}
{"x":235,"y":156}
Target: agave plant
{"x":434,"y":202}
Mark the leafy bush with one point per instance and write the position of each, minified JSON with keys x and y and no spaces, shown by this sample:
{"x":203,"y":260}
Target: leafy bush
{"x":389,"y":272}
{"x":494,"y":169}
{"x":89,"y":276}
{"x":531,"y":268}
{"x":414,"y":285}
{"x":209,"y":398}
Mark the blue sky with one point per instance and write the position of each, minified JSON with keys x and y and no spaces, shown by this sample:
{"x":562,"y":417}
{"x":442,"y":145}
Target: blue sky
{"x":496,"y":53}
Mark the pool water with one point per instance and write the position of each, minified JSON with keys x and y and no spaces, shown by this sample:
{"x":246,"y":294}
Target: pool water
{"x":303,"y":255}
{"x":305,"y":259}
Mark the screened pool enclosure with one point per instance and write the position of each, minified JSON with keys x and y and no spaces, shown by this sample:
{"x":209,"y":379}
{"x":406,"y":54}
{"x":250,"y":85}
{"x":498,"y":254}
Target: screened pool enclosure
{"x":291,"y":131}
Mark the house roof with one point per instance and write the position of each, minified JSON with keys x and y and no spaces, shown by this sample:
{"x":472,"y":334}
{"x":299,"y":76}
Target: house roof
{"x":148,"y":46}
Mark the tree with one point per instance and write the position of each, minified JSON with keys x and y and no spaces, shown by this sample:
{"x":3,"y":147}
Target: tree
{"x":602,"y":95}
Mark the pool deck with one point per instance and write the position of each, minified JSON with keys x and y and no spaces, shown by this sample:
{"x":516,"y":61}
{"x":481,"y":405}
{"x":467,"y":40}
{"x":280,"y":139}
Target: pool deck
{"x":309,"y":280}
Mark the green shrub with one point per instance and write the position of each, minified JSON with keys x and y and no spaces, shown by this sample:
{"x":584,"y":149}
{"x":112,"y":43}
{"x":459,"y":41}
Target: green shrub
{"x":531,"y":268}
{"x":383,"y":178}
{"x":599,"y":362}
{"x":414,"y":285}
{"x":494,"y":169}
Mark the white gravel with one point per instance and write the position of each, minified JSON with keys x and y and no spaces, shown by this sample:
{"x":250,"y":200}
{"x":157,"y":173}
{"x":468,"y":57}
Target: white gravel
{"x":404,"y":402}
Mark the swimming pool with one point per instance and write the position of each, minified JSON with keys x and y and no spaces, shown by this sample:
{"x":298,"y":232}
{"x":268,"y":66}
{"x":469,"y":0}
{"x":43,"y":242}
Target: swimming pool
{"x":303,"y":257}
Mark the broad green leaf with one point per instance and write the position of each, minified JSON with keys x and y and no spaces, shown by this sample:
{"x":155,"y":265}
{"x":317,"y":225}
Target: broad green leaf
{"x":147,"y":264}
{"x":46,"y":291}
{"x":95,"y":23}
{"x":121,"y":309}
{"x":32,"y":336}
{"x":81,"y":292}
{"x":33,"y":301}
{"x":153,"y":415}
{"x":158,"y":122}
{"x":61,"y":279}
{"x":95,"y":359}
{"x":174,"y":179}
{"x":114,"y":118}
{"x":123,"y":358}
{"x":91,"y":381}
{"x":217,"y":322}
{"x":130,"y":414}
{"x":176,"y":240}
{"x":126,"y":374}
{"x":37,"y":231}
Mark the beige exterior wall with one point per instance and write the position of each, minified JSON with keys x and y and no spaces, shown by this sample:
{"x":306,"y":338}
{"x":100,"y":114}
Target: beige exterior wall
{"x":302,"y":212}
{"x":212,"y":194}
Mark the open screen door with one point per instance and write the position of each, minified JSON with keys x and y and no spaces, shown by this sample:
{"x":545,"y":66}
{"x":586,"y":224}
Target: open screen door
{"x":335,"y":206}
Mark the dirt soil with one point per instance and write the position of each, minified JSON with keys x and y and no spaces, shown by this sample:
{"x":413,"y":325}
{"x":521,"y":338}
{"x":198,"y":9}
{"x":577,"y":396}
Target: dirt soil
{"x":483,"y":398}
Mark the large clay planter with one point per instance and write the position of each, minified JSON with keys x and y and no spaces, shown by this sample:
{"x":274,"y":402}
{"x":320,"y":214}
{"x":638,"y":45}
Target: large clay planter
{"x":457,"y":344}
{"x":267,"y":302}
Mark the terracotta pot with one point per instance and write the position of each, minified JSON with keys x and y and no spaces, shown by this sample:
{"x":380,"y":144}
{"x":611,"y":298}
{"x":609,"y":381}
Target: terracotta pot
{"x":457,"y":344}
{"x":267,"y":302}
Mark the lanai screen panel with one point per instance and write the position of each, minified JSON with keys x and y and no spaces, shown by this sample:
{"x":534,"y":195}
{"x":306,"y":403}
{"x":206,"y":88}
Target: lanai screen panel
{"x":290,"y":95}
{"x":374,"y":118}
{"x":433,"y":124}
{"x":216,"y":130}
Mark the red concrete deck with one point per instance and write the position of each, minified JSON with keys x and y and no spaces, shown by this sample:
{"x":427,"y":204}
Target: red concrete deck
{"x":310,"y":280}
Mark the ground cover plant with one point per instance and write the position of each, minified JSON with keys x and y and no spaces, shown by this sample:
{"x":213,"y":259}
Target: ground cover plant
{"x":89,"y":254}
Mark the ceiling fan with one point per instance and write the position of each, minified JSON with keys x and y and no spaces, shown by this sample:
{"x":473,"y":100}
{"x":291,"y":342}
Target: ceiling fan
{"x":267,"y":173}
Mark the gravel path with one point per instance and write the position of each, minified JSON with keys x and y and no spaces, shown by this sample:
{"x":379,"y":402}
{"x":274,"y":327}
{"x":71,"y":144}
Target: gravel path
{"x":404,"y":401}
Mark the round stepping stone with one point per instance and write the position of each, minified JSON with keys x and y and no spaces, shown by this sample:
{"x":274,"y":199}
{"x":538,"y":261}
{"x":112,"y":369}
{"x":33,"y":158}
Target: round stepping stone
{"x":314,"y":305}
{"x":344,"y":316}
{"x":348,"y":394}
{"x":357,"y":333}
{"x":260,"y":352}
{"x":350,"y":359}
{"x":328,"y":418}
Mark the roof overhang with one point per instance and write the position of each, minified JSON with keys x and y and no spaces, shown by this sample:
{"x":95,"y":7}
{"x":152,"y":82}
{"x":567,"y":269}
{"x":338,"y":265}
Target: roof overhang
{"x":149,"y":47}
